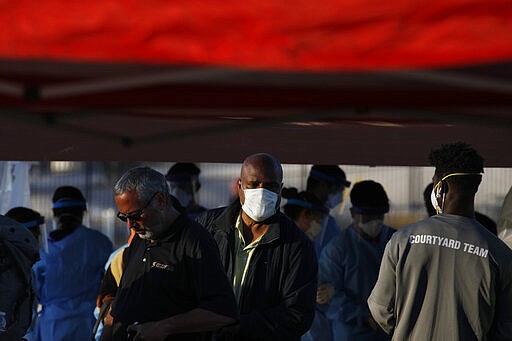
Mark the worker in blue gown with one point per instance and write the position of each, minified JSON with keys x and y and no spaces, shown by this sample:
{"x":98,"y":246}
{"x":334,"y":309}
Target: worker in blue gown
{"x":309,"y":214}
{"x":349,"y":266}
{"x":328,"y":184}
{"x":69,"y":275}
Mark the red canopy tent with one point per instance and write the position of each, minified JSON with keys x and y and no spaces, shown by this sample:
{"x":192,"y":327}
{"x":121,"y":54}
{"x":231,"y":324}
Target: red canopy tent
{"x":350,"y":82}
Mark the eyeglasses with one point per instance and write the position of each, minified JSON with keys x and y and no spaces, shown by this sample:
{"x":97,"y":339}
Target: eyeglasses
{"x":135,"y":215}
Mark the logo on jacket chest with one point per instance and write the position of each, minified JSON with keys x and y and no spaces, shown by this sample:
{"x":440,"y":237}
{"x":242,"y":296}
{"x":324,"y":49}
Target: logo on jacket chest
{"x":156,"y":265}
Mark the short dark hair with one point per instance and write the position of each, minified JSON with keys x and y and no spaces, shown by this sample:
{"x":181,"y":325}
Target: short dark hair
{"x":69,"y":200}
{"x":182,"y":170}
{"x":458,"y":157}
{"x":25,"y":215}
{"x":330,"y":171}
{"x":369,"y":196}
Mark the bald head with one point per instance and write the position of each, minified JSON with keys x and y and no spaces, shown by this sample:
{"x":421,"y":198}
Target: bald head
{"x":264,"y":163}
{"x":261,"y":171}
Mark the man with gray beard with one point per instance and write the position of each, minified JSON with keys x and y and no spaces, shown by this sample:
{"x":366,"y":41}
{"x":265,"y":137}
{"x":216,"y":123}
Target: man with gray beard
{"x":173,"y":285}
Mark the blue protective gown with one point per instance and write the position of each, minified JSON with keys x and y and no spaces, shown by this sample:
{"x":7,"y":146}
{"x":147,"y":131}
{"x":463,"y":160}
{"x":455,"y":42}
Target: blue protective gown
{"x":330,"y":229}
{"x":351,"y":264}
{"x":68,"y":280}
{"x":321,"y":327}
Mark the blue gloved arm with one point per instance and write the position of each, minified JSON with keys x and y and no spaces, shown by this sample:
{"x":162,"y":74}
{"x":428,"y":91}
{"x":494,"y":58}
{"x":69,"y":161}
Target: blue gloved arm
{"x":343,"y":306}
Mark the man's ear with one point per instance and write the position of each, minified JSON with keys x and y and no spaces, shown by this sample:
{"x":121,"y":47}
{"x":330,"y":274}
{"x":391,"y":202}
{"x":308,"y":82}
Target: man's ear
{"x":240,"y":190}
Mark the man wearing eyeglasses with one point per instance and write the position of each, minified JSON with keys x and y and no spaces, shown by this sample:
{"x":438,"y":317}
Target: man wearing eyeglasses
{"x":271,"y":263}
{"x":173,"y":284}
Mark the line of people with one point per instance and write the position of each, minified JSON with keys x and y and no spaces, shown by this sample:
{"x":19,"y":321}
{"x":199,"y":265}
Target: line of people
{"x":250,"y":272}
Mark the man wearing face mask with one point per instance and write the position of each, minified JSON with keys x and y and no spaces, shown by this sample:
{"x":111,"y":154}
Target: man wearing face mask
{"x":327,"y":183}
{"x":349,"y":265}
{"x":183,"y":179}
{"x":270,"y":262}
{"x":429,"y":200}
{"x":446,"y":277}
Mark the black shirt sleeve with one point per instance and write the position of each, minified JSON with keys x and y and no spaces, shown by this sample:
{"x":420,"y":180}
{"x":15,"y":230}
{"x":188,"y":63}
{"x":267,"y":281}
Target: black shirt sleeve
{"x":214,"y":292}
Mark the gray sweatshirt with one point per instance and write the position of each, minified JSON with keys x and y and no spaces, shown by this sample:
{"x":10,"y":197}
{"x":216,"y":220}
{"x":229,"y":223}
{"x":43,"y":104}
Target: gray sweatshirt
{"x":444,"y":278}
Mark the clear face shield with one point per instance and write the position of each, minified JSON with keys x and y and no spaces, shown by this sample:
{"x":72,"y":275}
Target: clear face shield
{"x":86,"y":219}
{"x":39,"y":231}
{"x":43,"y":230}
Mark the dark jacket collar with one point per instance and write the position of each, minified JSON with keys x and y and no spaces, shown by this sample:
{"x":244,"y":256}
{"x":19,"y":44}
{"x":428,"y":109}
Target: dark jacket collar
{"x":227,"y":219}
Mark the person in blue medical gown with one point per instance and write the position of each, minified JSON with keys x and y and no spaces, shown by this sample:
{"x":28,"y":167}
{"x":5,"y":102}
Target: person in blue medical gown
{"x":328,"y":184}
{"x":308,"y":213}
{"x":69,"y":274}
{"x":349,"y":266}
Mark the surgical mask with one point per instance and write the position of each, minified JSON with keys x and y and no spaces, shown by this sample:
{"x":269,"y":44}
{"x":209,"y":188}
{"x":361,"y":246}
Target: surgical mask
{"x":314,"y":229}
{"x":434,"y":196}
{"x":433,"y":200}
{"x":260,"y":203}
{"x":334,"y":199}
{"x":183,"y":197}
{"x":371,"y":228}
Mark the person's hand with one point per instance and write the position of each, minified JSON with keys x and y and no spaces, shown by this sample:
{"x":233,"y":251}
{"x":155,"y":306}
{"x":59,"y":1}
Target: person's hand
{"x":149,"y":331}
{"x":108,"y":320}
{"x":372,"y":323}
{"x":106,"y":334}
{"x":324,"y":293}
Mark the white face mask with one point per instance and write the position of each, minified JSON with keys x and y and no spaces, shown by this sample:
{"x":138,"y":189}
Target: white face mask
{"x":334,"y":199}
{"x":260,"y":203}
{"x":314,"y":229}
{"x":433,"y":200}
{"x":371,"y":228}
{"x":183,"y":197}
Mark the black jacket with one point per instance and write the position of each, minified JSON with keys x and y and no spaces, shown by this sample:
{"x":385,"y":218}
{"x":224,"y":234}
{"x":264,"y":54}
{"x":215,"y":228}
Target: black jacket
{"x":278,"y":297}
